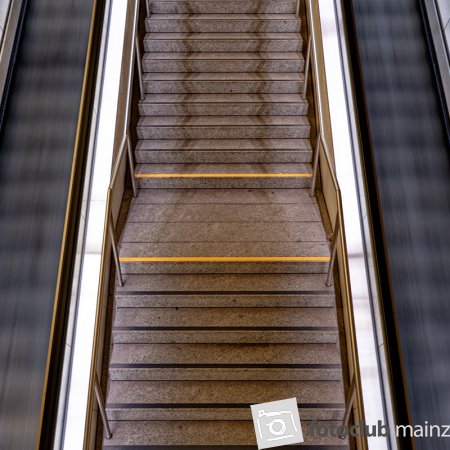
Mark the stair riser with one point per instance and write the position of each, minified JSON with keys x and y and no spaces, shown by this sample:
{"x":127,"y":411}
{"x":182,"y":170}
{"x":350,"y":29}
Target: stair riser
{"x":222,"y":26}
{"x":199,"y":157}
{"x":228,"y":183}
{"x":287,"y":374}
{"x":224,"y":301}
{"x":223,"y":66}
{"x":227,"y":45}
{"x":225,"y":337}
{"x":222,"y":7}
{"x":223,"y":109}
{"x":218,"y":132}
{"x":222,"y":87}
{"x":212,"y":414}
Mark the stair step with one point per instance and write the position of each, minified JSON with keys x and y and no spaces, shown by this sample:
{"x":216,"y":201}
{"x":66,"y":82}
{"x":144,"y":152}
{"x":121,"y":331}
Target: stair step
{"x":181,"y":231}
{"x":225,"y":362}
{"x":223,"y":176}
{"x":221,"y":7}
{"x":222,"y":42}
{"x":224,"y":213}
{"x":217,"y":400}
{"x":229,"y":318}
{"x":216,"y":290}
{"x":224,"y":62}
{"x":211,"y":434}
{"x":217,"y":83}
{"x":223,"y":23}
{"x":222,"y":127}
{"x":224,"y":196}
{"x":205,"y":257}
{"x":235,"y":151}
{"x":223,"y":105}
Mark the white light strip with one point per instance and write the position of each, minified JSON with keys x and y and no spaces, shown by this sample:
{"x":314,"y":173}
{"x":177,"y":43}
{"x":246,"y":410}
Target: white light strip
{"x":347,"y":176}
{"x":84,"y":328}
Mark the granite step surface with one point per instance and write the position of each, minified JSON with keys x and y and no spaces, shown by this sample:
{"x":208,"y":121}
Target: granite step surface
{"x":223,"y":83}
{"x":222,"y":42}
{"x":221,"y":6}
{"x":223,"y":176}
{"x":212,"y":434}
{"x":219,"y":290}
{"x":235,"y":151}
{"x":223,"y":23}
{"x":223,"y":62}
{"x":218,"y":399}
{"x":223,"y":105}
{"x":225,"y":362}
{"x":223,"y":127}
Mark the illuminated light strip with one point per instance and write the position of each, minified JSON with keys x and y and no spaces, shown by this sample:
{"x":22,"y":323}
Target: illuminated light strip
{"x":149,"y":259}
{"x":223,"y":175}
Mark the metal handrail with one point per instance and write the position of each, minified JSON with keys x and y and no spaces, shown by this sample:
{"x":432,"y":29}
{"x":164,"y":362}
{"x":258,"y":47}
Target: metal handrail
{"x":109,"y":229}
{"x":338,"y":235}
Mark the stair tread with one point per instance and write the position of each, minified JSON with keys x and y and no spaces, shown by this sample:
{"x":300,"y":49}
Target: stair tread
{"x":151,"y":56}
{"x":223,"y":98}
{"x":212,"y":434}
{"x":229,"y":318}
{"x":225,"y":249}
{"x":224,"y":144}
{"x":225,"y":213}
{"x":181,"y":231}
{"x":223,"y":76}
{"x":224,"y":196}
{"x":234,"y":354}
{"x":226,"y":283}
{"x":221,"y":36}
{"x":223,"y":168}
{"x":223,"y":392}
{"x":221,"y":17}
{"x":265,"y":121}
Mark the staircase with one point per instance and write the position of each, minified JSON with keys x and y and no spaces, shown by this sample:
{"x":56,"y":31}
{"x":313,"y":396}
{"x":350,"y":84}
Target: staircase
{"x":224,"y":251}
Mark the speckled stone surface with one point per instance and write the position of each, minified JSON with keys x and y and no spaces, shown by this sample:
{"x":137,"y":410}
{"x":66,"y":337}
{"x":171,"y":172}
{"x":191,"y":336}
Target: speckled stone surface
{"x":222,"y":42}
{"x":250,"y":336}
{"x":221,"y":7}
{"x":203,"y":62}
{"x":206,"y":433}
{"x":194,"y":344}
{"x":222,"y":23}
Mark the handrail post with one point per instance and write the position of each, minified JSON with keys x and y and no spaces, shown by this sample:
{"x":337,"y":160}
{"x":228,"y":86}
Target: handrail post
{"x":101,"y":407}
{"x":348,"y":407}
{"x":334,"y":241}
{"x":315,"y":168}
{"x":297,"y":9}
{"x":147,"y":7}
{"x":115,"y":249}
{"x":131,"y":162}
{"x":307,"y":64}
{"x":139,"y":65}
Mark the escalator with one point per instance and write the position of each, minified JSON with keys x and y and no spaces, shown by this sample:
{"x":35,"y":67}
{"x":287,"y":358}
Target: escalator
{"x":42,"y":151}
{"x":406,"y":157}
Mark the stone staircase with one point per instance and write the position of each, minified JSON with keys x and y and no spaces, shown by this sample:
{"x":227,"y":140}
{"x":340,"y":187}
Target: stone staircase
{"x":224,"y":252}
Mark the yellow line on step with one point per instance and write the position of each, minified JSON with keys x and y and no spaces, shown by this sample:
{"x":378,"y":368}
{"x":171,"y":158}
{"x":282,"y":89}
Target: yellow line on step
{"x":151,"y":259}
{"x":223,"y":175}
